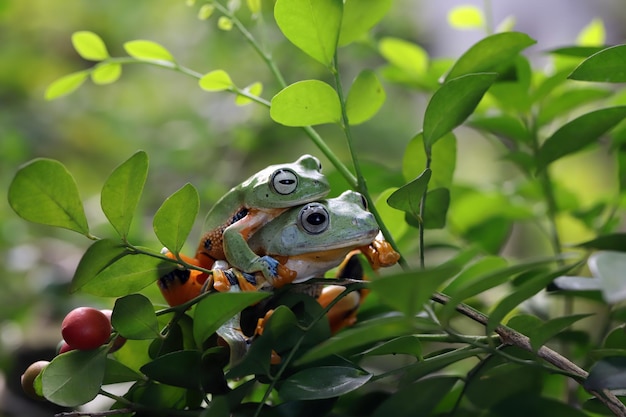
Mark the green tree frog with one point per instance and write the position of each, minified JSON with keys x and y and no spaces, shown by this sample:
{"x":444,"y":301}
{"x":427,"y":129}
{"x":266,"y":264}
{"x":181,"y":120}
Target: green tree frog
{"x":251,"y":204}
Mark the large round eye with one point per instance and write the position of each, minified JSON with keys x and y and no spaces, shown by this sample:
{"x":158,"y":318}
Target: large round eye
{"x":363,"y":201}
{"x":284,"y":181}
{"x":314,"y":218}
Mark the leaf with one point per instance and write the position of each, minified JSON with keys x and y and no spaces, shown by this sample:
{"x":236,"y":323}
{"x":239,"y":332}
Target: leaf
{"x":611,"y":241}
{"x":392,"y":218}
{"x":366,"y":333}
{"x":492,"y":54}
{"x":217,"y":80}
{"x":75,"y":377}
{"x":473,"y":271}
{"x":106,"y":73}
{"x":539,"y":335}
{"x":405,"y":55}
{"x":609,"y":267}
{"x":306,"y":103}
{"x":148,"y":50}
{"x":122,"y":190}
{"x":126,"y":275}
{"x":408,"y":197}
{"x":593,"y":34}
{"x":466,"y":17}
{"x":173,"y":221}
{"x":365,"y":98}
{"x":435,"y":362}
{"x":254,"y":89}
{"x":436,"y":209}
{"x":180,"y":369}
{"x":65,"y":85}
{"x":117,"y":372}
{"x":408,"y":345}
{"x":89,"y":46}
{"x":579,"y":133}
{"x":520,"y":294}
{"x":608,"y":65}
{"x":134,"y":317}
{"x":98,"y":256}
{"x":453,"y":103}
{"x":407,"y":292}
{"x":322,"y":382}
{"x":43,"y":191}
{"x":502,"y":125}
{"x":359,"y":16}
{"x":569,"y":283}
{"x":215,"y":309}
{"x":311,"y":25}
{"x":569,"y":100}
{"x":442,"y":160}
{"x":417,"y":399}
{"x":608,"y":373}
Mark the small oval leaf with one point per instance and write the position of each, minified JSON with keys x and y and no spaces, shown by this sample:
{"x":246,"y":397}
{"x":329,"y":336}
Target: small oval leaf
{"x":43,"y":191}
{"x":65,"y":85}
{"x":106,"y":73}
{"x":306,"y":103}
{"x":89,"y":46}
{"x":122,"y":190}
{"x":134,"y":318}
{"x":365,"y":98}
{"x":322,"y":382}
{"x":311,"y":25}
{"x":148,"y":50}
{"x":254,"y":89}
{"x":217,"y":80}
{"x":359,"y":16}
{"x":608,"y":66}
{"x":173,"y":221}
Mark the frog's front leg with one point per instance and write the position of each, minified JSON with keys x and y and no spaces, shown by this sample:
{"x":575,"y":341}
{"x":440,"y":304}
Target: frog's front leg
{"x":380,"y":253}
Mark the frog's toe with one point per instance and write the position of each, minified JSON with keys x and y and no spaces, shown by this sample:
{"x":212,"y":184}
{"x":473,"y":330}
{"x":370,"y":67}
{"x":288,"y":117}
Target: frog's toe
{"x":270,"y":269}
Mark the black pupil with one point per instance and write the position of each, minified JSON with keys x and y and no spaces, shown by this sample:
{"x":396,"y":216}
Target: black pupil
{"x":287,"y":181}
{"x":316,"y":219}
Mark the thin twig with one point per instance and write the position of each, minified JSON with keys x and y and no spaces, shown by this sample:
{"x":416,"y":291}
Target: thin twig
{"x":94,"y":413}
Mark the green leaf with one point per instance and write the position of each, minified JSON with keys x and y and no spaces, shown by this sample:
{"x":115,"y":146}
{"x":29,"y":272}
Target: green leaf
{"x":436,"y":209}
{"x":593,"y":34}
{"x":117,"y":372}
{"x":106,"y":73}
{"x":148,"y":50}
{"x":125,"y":275}
{"x":539,"y":335}
{"x":502,"y":125}
{"x":612,"y":241}
{"x":174,"y":219}
{"x":322,"y":382}
{"x":365,"y":98}
{"x":579,"y":133}
{"x":435,"y":362}
{"x":75,"y":377}
{"x":466,"y":17}
{"x":43,"y":191}
{"x":134,"y":318}
{"x":609,"y":373}
{"x":366,"y":333}
{"x":520,"y":294}
{"x":442,"y":160}
{"x":474,"y":271}
{"x":218,"y":308}
{"x":311,"y":25}
{"x":122,"y":190}
{"x":89,"y":46}
{"x":453,"y":103}
{"x":180,"y":369}
{"x":98,"y":256}
{"x":359,"y":16}
{"x":65,"y":85}
{"x":407,"y":292}
{"x":492,"y":54}
{"x":408,"y":345}
{"x":217,"y":80}
{"x":609,"y":267}
{"x":405,"y":55}
{"x":306,"y":103}
{"x":568,"y":100}
{"x":608,"y":65}
{"x":408,"y":197}
{"x":392,"y":218}
{"x":254,"y":89}
{"x":417,"y":399}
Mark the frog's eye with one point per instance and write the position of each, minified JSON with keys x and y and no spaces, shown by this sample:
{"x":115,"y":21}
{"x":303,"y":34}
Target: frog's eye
{"x":284,"y":181}
{"x":363,"y":201}
{"x":314,"y":218}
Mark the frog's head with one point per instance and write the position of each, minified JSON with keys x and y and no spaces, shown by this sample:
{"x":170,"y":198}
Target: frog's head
{"x":286,"y":185}
{"x":335,"y":223}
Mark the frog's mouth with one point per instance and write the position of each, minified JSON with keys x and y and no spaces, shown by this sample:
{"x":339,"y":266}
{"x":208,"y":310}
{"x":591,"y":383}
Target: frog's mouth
{"x":348,"y":242}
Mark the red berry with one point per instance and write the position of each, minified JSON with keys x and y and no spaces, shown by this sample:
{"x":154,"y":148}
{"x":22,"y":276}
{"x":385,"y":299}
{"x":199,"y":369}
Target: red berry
{"x":63,"y":347}
{"x":85,"y":328}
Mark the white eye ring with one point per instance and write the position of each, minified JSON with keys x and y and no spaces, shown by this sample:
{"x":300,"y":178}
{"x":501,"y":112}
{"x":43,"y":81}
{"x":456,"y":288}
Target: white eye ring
{"x":284,"y":181}
{"x":314,"y":218}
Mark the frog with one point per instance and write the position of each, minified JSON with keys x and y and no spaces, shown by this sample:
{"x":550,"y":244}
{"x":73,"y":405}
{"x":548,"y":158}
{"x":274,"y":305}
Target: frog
{"x":248,"y":206}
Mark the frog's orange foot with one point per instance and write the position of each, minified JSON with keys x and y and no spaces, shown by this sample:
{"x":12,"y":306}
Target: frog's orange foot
{"x":284,"y":276}
{"x":343,"y":313}
{"x":258,"y":331}
{"x":224,"y":279}
{"x":380,"y":253}
{"x":221,"y":282}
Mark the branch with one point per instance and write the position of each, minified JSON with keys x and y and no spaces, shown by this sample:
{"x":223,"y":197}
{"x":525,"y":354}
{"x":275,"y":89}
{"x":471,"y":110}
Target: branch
{"x":94,"y":413}
{"x":514,"y":338}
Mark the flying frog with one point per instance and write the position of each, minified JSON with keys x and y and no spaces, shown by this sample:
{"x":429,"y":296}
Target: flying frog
{"x":253,"y":203}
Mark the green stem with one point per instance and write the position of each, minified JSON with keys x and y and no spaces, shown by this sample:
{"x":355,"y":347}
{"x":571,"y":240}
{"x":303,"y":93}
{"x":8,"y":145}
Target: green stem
{"x":422,"y":210}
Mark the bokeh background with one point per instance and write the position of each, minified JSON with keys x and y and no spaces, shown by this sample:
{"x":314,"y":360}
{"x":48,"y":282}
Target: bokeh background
{"x":192,"y":135}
